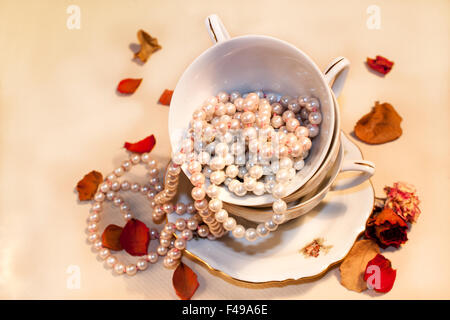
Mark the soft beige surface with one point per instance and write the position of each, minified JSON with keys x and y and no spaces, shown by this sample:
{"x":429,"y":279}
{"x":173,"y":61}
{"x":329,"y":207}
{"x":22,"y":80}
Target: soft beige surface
{"x":60,"y":118}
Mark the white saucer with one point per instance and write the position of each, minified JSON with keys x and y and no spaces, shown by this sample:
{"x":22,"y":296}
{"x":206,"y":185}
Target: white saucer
{"x":338,"y":220}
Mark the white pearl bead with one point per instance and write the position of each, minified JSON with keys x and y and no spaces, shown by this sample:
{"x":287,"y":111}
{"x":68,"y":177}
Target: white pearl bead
{"x":180,"y":244}
{"x":270,"y":225}
{"x":240,"y":190}
{"x":249,"y":183}
{"x":180,"y":224}
{"x":215,"y":205}
{"x":238,"y":231}
{"x":213,"y":191}
{"x":145,"y":157}
{"x":279,"y":190}
{"x":282,"y":176}
{"x":279,"y":218}
{"x":250,"y":234}
{"x":217,"y":177}
{"x":229,"y":224}
{"x":94,"y":217}
{"x":131,"y":269}
{"x":179,"y":158}
{"x":111,"y":261}
{"x":221,"y":215}
{"x":174,"y":253}
{"x":97,"y":206}
{"x":119,"y":171}
{"x":232,"y":171}
{"x":299,"y":164}
{"x":279,"y":206}
{"x":217,"y":163}
{"x":135,"y":158}
{"x":192,"y":224}
{"x":285,"y":163}
{"x":92,"y":227}
{"x":259,"y":188}
{"x":126,"y":165}
{"x":97,"y":245}
{"x":229,"y":159}
{"x":203,"y":231}
{"x":142,"y":264}
{"x":115,"y":186}
{"x":119,"y":268}
{"x":256,"y":172}
{"x":125,"y":185}
{"x":104,"y":253}
{"x":104,"y":187}
{"x":152,"y":257}
{"x":99,"y":196}
{"x":261,"y":230}
{"x":93,"y":237}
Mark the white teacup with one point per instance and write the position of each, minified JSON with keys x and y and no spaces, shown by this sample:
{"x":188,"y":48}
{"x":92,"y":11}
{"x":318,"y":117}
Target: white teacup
{"x":250,"y":63}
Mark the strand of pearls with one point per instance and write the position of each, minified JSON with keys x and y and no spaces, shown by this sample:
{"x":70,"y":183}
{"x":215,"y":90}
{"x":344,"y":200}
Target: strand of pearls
{"x":159,"y":196}
{"x":247,"y":116}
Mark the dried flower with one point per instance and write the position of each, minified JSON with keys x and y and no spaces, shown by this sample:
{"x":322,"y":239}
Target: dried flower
{"x":402,"y":199}
{"x":386,"y":228}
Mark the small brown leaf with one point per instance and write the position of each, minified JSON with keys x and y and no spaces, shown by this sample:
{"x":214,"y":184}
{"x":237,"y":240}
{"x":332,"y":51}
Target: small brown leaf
{"x":149,"y":45}
{"x":184,"y":281}
{"x":354,"y":265}
{"x":111,"y":237}
{"x":87,"y":187}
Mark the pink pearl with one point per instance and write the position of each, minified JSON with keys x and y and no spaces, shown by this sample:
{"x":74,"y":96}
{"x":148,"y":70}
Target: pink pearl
{"x":201,"y":204}
{"x":306,"y":143}
{"x":291,"y":139}
{"x":197,"y":179}
{"x":288,"y":114}
{"x":239,"y":103}
{"x":235,"y":124}
{"x":292,"y":124}
{"x":194,"y":166}
{"x":277,"y":121}
{"x":231,"y":109}
{"x":296,"y":149}
{"x":248,"y":117}
{"x":180,"y":208}
{"x":198,"y":193}
{"x":301,"y":131}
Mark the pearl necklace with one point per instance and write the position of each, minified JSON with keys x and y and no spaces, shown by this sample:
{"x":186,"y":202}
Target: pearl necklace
{"x":294,"y":145}
{"x":213,"y":121}
{"x":159,"y":196}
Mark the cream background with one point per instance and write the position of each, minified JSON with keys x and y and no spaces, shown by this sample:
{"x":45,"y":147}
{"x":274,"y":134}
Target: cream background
{"x":60,"y":118}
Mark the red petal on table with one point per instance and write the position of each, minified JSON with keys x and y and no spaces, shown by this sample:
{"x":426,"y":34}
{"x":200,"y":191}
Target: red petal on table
{"x":111,"y":237}
{"x":385,"y":273}
{"x":128,"y":86}
{"x":184,"y":281}
{"x":380,"y":64}
{"x":166,"y":97}
{"x":135,"y":238}
{"x":145,"y":145}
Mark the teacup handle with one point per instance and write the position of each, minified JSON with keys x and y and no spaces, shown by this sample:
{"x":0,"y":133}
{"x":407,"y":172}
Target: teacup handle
{"x":364,"y":166}
{"x":216,"y":30}
{"x":336,"y":73}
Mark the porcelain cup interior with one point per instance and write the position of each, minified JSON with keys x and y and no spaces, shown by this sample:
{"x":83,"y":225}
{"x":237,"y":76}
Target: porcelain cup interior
{"x":245,"y":64}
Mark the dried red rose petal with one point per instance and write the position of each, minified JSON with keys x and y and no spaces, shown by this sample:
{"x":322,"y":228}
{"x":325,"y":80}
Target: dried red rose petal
{"x":128,"y":86}
{"x":145,"y":145}
{"x":87,"y":187}
{"x":166,"y":97}
{"x":380,"y":64}
{"x":379,"y":274}
{"x":386,"y":228}
{"x":135,"y":238}
{"x":111,"y":237}
{"x":184,"y":281}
